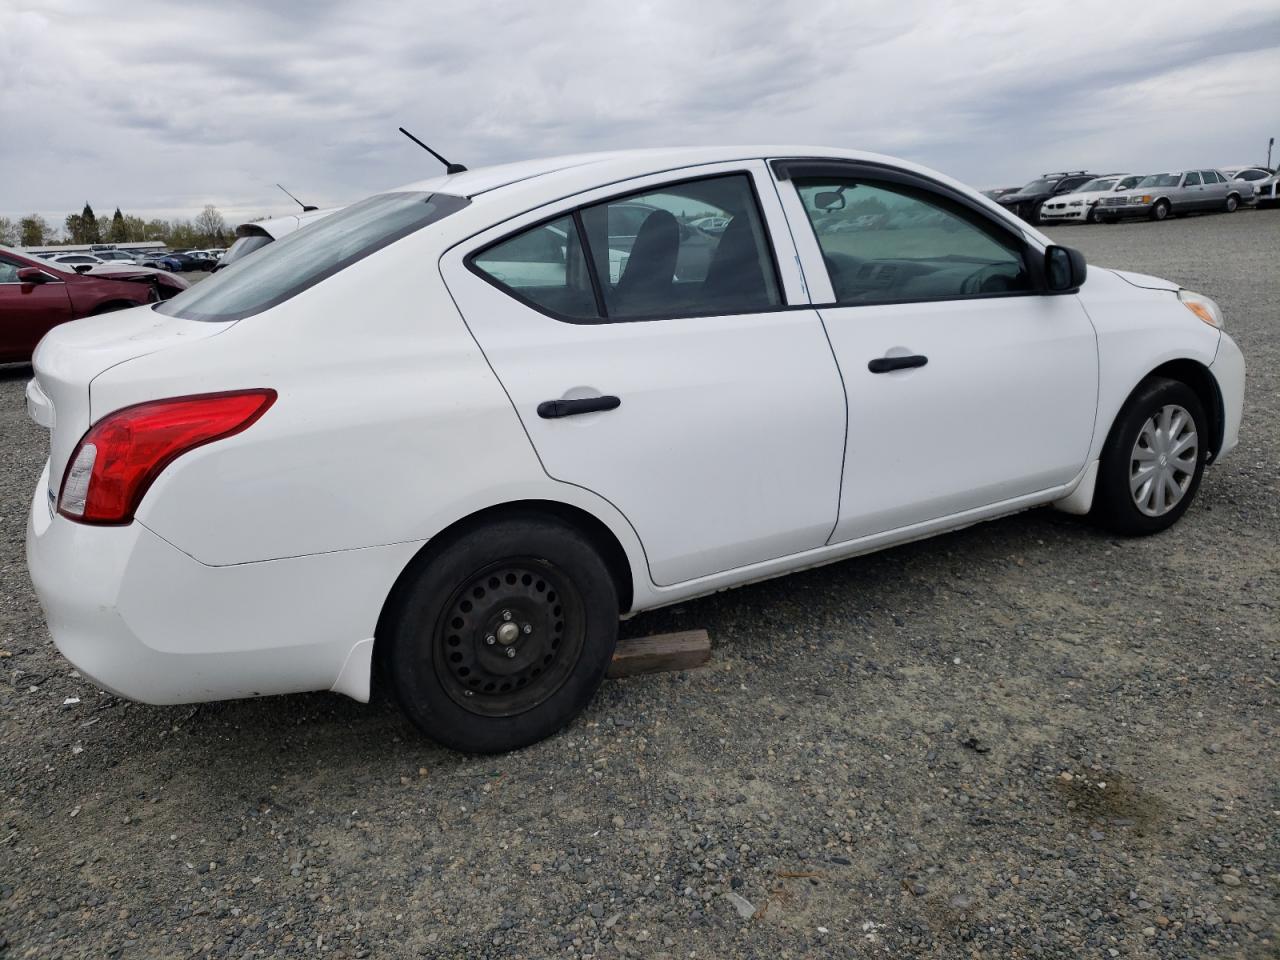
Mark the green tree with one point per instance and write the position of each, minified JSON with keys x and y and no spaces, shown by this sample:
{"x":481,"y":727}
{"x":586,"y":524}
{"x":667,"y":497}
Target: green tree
{"x":8,"y":232}
{"x":157,"y":230}
{"x":135,"y":229}
{"x":89,"y":225}
{"x":33,"y":229}
{"x":75,"y":227}
{"x":119,"y":229}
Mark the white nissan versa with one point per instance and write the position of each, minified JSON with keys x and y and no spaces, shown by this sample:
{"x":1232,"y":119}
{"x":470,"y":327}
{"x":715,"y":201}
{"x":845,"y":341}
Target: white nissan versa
{"x":457,"y":429}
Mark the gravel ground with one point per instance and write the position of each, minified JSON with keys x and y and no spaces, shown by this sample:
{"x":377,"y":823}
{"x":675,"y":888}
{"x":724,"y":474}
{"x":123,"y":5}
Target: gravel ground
{"x":1023,"y":739}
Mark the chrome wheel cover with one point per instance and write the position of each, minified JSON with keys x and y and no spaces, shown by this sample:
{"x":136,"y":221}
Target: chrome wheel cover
{"x":1163,"y":462}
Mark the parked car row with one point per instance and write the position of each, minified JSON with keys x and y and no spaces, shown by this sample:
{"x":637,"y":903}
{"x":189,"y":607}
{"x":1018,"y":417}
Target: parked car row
{"x":1077,"y":196}
{"x":36,"y":295}
{"x":177,"y":261}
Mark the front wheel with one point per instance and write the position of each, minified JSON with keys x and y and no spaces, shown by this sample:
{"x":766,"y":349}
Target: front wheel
{"x":1153,"y":460}
{"x":1161,"y":210}
{"x":1095,"y":215}
{"x":502,"y":637}
{"x":1232,"y":202}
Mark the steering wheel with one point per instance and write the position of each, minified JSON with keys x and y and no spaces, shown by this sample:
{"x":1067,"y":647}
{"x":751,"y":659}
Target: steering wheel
{"x":988,"y":279}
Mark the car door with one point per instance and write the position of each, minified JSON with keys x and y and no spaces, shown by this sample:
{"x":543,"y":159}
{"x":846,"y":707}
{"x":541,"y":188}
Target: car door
{"x":1189,"y":195}
{"x":1215,"y":190}
{"x":968,"y":388}
{"x":677,"y":373}
{"x":28,"y":310}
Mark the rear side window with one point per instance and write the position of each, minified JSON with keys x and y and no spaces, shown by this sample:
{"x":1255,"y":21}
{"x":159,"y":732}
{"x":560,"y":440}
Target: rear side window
{"x":695,"y":248}
{"x":546,"y":267}
{"x":302,"y":259}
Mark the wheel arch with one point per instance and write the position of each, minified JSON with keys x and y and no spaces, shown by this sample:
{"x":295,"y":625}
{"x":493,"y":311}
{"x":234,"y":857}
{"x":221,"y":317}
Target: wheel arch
{"x":1198,"y":377}
{"x":597,"y":531}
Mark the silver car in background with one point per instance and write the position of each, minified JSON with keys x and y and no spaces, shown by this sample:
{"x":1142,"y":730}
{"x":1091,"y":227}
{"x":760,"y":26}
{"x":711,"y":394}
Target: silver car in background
{"x":1265,"y":183}
{"x":1177,"y":193}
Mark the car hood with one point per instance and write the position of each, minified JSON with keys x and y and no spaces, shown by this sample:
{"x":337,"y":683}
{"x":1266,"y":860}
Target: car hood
{"x":1020,"y":197}
{"x":1146,"y":282}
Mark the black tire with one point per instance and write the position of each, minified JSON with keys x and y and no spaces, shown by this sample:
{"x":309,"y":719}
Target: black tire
{"x":1113,"y":504}
{"x":1095,"y":215}
{"x":1161,"y":210}
{"x":1232,"y":202}
{"x":1034,"y":218}
{"x":454,"y":679}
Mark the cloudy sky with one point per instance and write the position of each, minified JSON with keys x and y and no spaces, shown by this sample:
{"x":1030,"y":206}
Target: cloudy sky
{"x":161,"y":108}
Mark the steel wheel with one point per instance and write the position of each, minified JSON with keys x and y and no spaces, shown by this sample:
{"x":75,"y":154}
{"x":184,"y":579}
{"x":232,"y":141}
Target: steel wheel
{"x":509,"y":637}
{"x":1163,"y":461}
{"x":1160,"y":210}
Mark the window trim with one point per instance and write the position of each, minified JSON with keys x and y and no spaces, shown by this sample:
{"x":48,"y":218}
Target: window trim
{"x":575,"y":213}
{"x":966,"y":209}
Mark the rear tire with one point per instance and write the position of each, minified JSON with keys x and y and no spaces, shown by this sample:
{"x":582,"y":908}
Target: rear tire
{"x":503,"y":636}
{"x":1161,"y":210}
{"x":1153,"y":459}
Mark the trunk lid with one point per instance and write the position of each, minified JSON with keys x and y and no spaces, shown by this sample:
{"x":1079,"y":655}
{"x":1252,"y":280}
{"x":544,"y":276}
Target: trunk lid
{"x":72,"y":355}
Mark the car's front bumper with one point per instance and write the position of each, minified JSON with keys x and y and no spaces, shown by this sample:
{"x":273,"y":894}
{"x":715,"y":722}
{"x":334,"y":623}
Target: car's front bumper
{"x":1049,"y":214}
{"x":1228,"y":371}
{"x":1126,"y":210}
{"x":146,"y":621}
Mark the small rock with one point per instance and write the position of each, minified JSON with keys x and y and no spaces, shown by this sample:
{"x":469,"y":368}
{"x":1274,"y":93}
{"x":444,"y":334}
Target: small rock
{"x":746,"y":910}
{"x":1230,"y":879}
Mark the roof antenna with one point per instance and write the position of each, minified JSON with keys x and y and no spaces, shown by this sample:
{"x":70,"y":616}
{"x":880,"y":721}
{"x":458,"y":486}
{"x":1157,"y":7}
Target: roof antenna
{"x":448,"y":167}
{"x":306,"y":208}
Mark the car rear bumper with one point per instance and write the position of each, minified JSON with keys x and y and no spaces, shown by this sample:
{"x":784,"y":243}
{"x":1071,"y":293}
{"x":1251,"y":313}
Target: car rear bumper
{"x":146,"y":621}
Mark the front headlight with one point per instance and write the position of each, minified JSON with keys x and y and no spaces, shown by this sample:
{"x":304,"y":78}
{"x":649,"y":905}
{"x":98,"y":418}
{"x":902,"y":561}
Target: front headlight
{"x":1075,"y":203}
{"x":1202,"y":307}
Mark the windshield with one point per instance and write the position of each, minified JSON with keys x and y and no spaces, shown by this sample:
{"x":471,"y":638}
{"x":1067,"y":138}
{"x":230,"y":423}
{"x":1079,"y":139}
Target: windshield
{"x":1102,"y":183}
{"x":1161,"y":180}
{"x":1042,"y":185}
{"x":292,"y":264}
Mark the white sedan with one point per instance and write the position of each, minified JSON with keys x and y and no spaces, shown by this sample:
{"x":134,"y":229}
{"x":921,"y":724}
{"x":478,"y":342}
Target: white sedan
{"x":1081,"y":205}
{"x":330,"y":458}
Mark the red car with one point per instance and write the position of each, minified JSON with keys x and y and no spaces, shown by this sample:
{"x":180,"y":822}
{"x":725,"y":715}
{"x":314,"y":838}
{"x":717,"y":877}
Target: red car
{"x":37,"y":296}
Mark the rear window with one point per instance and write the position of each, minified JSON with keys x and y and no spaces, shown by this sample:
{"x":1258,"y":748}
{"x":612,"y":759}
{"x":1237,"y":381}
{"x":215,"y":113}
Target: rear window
{"x":292,"y":264}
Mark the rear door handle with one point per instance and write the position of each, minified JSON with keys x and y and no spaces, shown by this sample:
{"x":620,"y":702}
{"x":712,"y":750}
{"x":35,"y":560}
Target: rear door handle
{"x":553,"y":409}
{"x":886,"y":364}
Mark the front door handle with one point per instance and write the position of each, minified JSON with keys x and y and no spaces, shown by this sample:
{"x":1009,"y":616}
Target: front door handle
{"x":885,"y":364}
{"x":552,"y":409}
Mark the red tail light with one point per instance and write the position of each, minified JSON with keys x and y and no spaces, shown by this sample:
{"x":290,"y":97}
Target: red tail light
{"x":116,"y":462}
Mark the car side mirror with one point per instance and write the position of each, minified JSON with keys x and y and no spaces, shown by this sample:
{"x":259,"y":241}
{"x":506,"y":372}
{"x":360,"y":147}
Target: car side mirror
{"x":1064,"y":269}
{"x":82,"y":267}
{"x":32,"y":275}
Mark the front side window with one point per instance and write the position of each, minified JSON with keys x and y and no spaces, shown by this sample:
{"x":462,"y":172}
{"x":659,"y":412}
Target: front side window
{"x":8,"y":271}
{"x":883,"y":243}
{"x":1193,"y":180}
{"x":304,"y":258}
{"x":696,"y":248}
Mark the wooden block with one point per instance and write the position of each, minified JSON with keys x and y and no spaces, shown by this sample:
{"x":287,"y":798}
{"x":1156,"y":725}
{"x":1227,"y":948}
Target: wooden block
{"x":666,"y":651}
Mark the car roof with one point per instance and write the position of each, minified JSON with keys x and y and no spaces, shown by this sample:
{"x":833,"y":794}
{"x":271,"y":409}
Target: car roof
{"x":514,"y":187}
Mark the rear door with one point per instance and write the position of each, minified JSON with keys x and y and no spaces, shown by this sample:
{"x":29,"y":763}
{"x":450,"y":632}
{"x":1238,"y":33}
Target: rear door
{"x":1215,"y":190}
{"x":28,"y":310}
{"x":673,"y":368}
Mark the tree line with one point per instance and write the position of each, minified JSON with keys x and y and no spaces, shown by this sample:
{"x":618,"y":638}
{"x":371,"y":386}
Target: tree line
{"x":208,"y":229}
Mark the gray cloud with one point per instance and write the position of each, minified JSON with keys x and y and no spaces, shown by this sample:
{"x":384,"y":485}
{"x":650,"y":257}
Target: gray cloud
{"x":160,"y":109}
